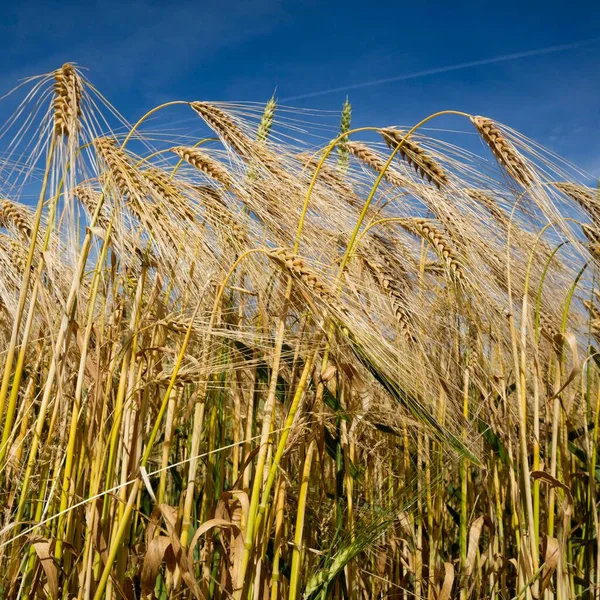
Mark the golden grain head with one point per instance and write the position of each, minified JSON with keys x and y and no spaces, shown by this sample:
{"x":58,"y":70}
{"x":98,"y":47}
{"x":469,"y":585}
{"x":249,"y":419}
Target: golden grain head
{"x":503,"y":150}
{"x":68,"y":91}
{"x":203,"y":162}
{"x":415,"y":156}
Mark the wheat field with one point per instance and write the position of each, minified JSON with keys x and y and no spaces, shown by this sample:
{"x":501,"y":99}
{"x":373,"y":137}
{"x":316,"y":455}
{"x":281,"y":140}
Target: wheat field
{"x":251,"y":352}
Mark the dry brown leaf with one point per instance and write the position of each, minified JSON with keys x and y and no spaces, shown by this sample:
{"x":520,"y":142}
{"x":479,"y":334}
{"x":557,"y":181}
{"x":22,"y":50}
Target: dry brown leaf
{"x":44,"y":552}
{"x":207,"y":526}
{"x":152,"y":561}
{"x":551,"y":552}
{"x":474,"y":535}
{"x":169,"y":514}
{"x":552,"y":481}
{"x":448,"y":582}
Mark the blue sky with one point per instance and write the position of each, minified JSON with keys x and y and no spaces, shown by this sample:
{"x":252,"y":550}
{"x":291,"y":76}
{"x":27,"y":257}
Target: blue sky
{"x":141,"y":53}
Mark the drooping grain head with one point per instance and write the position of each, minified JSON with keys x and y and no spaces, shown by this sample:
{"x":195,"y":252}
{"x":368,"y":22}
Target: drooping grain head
{"x":299,"y":269}
{"x":415,"y":155}
{"x":504,"y":152}
{"x":488,"y":201}
{"x":587,"y":198}
{"x":204,"y":163}
{"x":67,"y":101}
{"x":225,"y":127}
{"x":371,"y":159}
{"x":121,"y":171}
{"x":16,"y":216}
{"x":90,"y":198}
{"x":390,"y":286}
{"x":428,"y":230}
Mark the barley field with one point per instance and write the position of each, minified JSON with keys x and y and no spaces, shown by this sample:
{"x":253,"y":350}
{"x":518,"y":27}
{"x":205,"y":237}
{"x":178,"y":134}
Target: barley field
{"x":250,"y":352}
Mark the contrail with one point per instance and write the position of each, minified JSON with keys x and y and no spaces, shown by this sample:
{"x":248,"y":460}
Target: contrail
{"x":449,"y":68}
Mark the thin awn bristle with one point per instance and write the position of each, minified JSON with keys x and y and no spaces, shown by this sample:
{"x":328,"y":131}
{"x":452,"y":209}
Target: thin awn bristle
{"x":415,"y":156}
{"x":503,"y":150}
{"x":327,"y":174}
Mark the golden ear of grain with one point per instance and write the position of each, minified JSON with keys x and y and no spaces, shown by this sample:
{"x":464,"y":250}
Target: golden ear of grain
{"x":415,"y":155}
{"x":90,"y":198}
{"x":123,"y":174}
{"x":15,"y":252}
{"x":587,"y":198}
{"x":487,"y":200}
{"x":390,"y":286}
{"x":15,"y":216}
{"x":426,"y":229}
{"x":504,"y":152}
{"x":298,"y":268}
{"x":67,"y":100}
{"x":371,"y":159}
{"x":591,"y":233}
{"x":204,"y":163}
{"x":224,"y":126}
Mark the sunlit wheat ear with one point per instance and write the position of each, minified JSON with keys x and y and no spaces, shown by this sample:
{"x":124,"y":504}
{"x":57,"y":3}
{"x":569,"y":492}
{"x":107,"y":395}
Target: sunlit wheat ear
{"x":224,"y":126}
{"x":392,"y":288}
{"x":123,"y":174}
{"x":591,"y":233}
{"x":415,"y":155}
{"x":504,"y":152}
{"x":371,"y":159}
{"x":298,"y":268}
{"x":16,"y":217}
{"x":67,"y":100}
{"x":593,"y":236}
{"x":15,"y":252}
{"x":166,"y":189}
{"x":90,"y":198}
{"x":487,"y":200}
{"x":587,"y":198}
{"x":426,"y":229}
{"x":204,"y":163}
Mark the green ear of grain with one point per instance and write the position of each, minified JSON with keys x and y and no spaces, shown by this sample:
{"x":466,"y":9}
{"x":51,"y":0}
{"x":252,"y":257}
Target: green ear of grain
{"x":342,"y":149}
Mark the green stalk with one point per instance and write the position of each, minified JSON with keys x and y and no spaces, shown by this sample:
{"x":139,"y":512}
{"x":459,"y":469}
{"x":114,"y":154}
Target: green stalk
{"x":300,"y":516}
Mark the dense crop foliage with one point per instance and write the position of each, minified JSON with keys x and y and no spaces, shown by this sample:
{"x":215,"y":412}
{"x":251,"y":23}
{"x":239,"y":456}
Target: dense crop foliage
{"x":249,"y":352}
